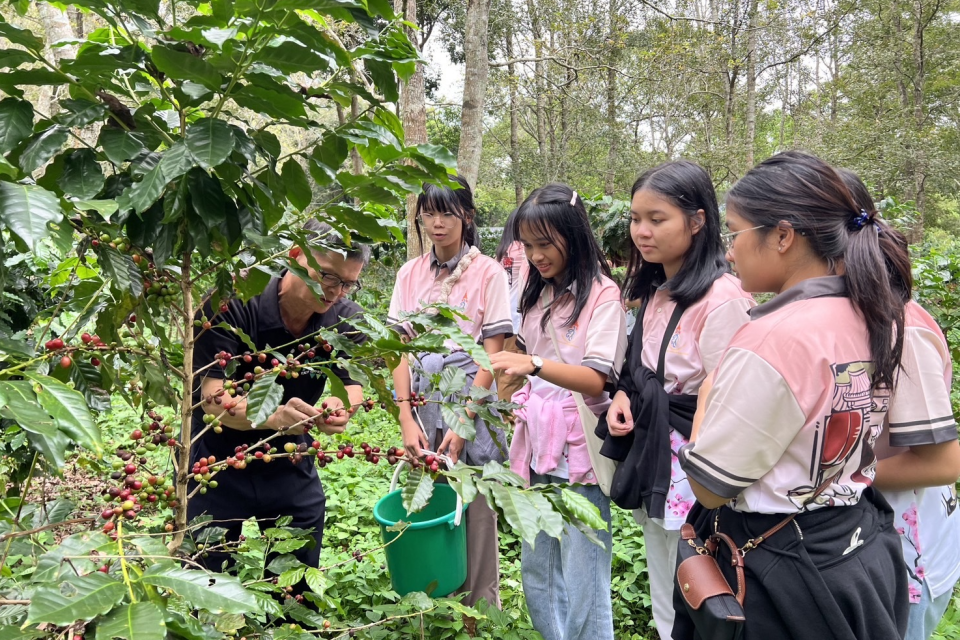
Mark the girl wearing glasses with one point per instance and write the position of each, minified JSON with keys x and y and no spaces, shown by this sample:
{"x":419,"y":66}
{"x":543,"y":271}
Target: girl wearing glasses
{"x":573,"y":338}
{"x":454,"y":272}
{"x":690,"y":307}
{"x":919,"y":459}
{"x":794,"y":412}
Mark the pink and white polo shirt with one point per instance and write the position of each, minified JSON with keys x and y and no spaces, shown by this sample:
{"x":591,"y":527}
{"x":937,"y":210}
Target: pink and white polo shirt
{"x":792,"y":406}
{"x":921,"y":414}
{"x":481,"y":294}
{"x":696,"y":345}
{"x":596,"y":339}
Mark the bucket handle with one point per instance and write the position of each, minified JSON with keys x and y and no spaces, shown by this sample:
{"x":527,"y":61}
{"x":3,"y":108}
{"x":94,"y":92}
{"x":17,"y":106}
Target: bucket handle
{"x":449,"y":463}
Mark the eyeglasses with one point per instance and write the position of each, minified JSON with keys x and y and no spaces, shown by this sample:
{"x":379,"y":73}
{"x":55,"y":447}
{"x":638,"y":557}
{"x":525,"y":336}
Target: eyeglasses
{"x":728,"y":238}
{"x":445,"y":218}
{"x":331,"y":281}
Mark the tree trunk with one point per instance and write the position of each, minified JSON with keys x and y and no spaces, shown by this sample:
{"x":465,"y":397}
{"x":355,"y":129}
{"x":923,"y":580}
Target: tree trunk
{"x":474,"y":90}
{"x":751,"y":116}
{"x":613,"y":132}
{"x":514,"y":118}
{"x":56,"y":28}
{"x":539,"y":86}
{"x":413,"y":114}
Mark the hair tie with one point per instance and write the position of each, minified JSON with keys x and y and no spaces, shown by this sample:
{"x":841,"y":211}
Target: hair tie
{"x":860,"y":220}
{"x":573,"y":200}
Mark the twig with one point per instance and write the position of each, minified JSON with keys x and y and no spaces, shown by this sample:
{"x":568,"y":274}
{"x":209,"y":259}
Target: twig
{"x":20,"y":534}
{"x":4,"y":601}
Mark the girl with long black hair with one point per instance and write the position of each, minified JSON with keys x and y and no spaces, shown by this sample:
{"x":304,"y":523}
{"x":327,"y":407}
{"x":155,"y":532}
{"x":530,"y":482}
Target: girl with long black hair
{"x":796,"y":406}
{"x":573,"y":338}
{"x":690,"y":308}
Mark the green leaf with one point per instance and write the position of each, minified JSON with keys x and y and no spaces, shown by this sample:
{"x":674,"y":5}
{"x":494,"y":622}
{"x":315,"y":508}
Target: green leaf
{"x":271,"y":102}
{"x":69,"y":411}
{"x":210,"y":141}
{"x":417,"y":490}
{"x":207,"y":197}
{"x":439,"y":154}
{"x":452,"y":380}
{"x":188,"y":627}
{"x":143,"y":194}
{"x":22,"y":37}
{"x":583,"y":509}
{"x":550,"y":521}
{"x":82,"y":176}
{"x":263,"y":399}
{"x":138,"y":621}
{"x":215,"y":592}
{"x":317,"y":581}
{"x":119,"y":145}
{"x":105,"y":208}
{"x":13,"y":58}
{"x":123,"y":270}
{"x":80,"y":113}
{"x":290,"y":57}
{"x":76,"y":598}
{"x":184,"y":66}
{"x":42,"y":148}
{"x":16,"y":123}
{"x":495,"y":471}
{"x":12,"y":632}
{"x":519,"y":511}
{"x":239,"y":333}
{"x":27,"y":210}
{"x":298,"y":187}
{"x":291,"y":577}
{"x":51,"y":566}
{"x":455,"y":416}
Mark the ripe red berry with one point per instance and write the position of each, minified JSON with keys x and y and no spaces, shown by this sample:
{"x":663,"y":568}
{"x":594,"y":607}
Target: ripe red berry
{"x":105,"y":568}
{"x":95,"y":362}
{"x":429,"y":460}
{"x":130,"y":468}
{"x":110,"y":526}
{"x":106,"y":514}
{"x":434,"y":467}
{"x":375,"y":459}
{"x":136,"y":434}
{"x":65,"y":362}
{"x":327,"y":348}
{"x":224,"y":308}
{"x":206,"y":325}
{"x":86,"y":338}
{"x":132,"y":318}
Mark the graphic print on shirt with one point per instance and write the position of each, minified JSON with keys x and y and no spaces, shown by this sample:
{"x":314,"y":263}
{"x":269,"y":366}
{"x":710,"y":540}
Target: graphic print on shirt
{"x":949,"y":501}
{"x":839,"y":435}
{"x":571,"y":332}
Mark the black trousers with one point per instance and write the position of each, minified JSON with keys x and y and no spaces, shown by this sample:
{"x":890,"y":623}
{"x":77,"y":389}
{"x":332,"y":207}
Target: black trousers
{"x":265,"y":494}
{"x":837,"y":575}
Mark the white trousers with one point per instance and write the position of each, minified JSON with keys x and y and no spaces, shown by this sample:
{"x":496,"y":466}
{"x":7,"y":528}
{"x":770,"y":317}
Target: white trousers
{"x":661,"y":547}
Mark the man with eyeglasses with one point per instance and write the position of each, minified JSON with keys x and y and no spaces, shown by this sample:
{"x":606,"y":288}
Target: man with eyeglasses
{"x":288,"y":314}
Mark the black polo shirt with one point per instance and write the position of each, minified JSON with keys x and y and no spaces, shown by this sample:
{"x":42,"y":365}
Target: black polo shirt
{"x":260,"y":319}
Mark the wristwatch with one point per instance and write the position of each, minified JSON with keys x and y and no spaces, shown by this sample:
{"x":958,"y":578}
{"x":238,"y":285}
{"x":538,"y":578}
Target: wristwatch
{"x":537,"y":362}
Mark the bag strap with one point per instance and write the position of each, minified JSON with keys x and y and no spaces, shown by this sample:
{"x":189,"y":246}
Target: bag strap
{"x":667,"y":335}
{"x":753,"y":543}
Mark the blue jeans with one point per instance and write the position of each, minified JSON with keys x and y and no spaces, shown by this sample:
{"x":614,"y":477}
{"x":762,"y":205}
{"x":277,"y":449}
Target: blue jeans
{"x":925,"y":615}
{"x":567,"y":582}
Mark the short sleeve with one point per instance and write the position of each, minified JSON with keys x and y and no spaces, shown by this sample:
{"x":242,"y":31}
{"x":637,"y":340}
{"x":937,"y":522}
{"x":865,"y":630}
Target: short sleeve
{"x":497,"y":319}
{"x":920,"y":410}
{"x":608,"y":327}
{"x":751,"y":419}
{"x":719,"y":328}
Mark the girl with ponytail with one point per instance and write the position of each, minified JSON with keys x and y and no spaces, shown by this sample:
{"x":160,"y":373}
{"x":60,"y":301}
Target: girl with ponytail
{"x":919,"y":458}
{"x":796,"y":406}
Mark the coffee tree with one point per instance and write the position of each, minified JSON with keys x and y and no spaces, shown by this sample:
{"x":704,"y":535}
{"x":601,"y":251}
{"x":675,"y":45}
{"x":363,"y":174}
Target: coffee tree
{"x":189,"y":141}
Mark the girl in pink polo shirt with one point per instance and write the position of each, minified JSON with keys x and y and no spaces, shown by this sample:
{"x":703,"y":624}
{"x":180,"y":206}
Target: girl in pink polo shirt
{"x":795,"y":408}
{"x":573,"y":337}
{"x":919,"y":458}
{"x":454,"y":272}
{"x":690,"y":308}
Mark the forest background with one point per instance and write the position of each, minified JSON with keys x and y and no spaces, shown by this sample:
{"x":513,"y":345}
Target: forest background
{"x":588,"y":93}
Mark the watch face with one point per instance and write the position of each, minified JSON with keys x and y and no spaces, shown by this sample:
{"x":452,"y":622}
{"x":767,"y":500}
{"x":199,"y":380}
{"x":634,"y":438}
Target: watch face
{"x":537,"y":361}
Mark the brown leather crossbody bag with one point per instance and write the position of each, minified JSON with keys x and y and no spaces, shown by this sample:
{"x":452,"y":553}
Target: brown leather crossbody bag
{"x":716,"y":611}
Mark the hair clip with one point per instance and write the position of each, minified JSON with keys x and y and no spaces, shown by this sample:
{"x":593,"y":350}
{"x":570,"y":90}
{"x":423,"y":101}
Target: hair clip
{"x":573,"y":200}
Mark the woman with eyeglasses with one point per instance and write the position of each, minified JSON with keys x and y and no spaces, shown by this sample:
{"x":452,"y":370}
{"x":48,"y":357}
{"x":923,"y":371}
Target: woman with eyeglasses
{"x":795,"y":408}
{"x":690,"y":307}
{"x":454,"y":272}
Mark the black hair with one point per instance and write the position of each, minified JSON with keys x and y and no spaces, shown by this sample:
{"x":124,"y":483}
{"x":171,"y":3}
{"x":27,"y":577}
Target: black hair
{"x":459,"y":202}
{"x":687,"y":186}
{"x":809,"y":194}
{"x":508,"y":238}
{"x":556,"y":211}
{"x":326,"y":238}
{"x":893,"y":244}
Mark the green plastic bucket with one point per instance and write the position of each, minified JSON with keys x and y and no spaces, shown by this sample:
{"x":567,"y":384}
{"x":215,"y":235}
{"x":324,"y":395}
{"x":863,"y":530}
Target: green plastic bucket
{"x":433,"y":547}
